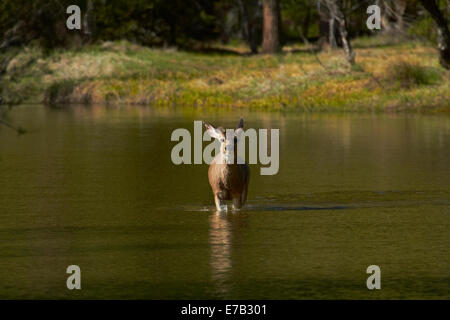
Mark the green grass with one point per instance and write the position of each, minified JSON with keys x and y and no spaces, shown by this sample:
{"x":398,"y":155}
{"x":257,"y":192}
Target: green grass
{"x":387,"y":77}
{"x":409,"y":75}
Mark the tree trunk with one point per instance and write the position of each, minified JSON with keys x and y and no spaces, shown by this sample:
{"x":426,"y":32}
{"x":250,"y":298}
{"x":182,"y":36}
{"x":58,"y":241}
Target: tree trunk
{"x":337,"y":13}
{"x":442,"y":30}
{"x":400,"y":7}
{"x":324,"y":26}
{"x":385,"y":17}
{"x":271,"y":40}
{"x":89,"y":22}
{"x":392,"y":12}
{"x":331,"y":33}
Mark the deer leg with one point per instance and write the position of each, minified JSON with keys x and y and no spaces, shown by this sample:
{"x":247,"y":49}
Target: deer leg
{"x":219,"y":206}
{"x":237,"y":203}
{"x":244,"y":195}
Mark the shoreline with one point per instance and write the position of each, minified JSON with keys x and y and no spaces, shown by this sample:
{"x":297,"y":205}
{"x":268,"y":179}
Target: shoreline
{"x":403,"y":77}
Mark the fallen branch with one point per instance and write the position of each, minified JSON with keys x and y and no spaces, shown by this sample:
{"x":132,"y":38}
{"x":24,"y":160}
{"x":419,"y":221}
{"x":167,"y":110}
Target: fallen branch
{"x":19,"y":130}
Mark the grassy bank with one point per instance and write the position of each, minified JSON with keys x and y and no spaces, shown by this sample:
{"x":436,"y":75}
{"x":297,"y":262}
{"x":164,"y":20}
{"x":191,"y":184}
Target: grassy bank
{"x":387,"y":77}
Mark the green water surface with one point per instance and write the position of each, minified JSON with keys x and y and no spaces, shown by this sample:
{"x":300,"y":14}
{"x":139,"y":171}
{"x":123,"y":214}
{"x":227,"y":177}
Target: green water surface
{"x":95,"y":187}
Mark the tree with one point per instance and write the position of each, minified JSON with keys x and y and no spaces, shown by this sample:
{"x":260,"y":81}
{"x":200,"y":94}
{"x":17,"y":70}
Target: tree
{"x":89,"y":23}
{"x":327,"y":38}
{"x":336,"y":11}
{"x":392,"y":16}
{"x":271,"y":23}
{"x":442,"y":30}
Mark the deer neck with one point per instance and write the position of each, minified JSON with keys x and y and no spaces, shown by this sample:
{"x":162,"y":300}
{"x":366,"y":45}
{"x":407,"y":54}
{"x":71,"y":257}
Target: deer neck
{"x":227,"y":160}
{"x":223,"y":160}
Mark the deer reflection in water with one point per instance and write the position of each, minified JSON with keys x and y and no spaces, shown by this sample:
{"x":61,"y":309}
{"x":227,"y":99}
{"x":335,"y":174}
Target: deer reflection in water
{"x":223,"y":230}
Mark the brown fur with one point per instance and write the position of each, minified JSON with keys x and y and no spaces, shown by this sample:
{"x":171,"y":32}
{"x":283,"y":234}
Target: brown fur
{"x":229,"y":181}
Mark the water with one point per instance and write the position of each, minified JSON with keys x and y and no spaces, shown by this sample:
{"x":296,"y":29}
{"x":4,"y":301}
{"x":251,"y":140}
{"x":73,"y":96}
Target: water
{"x":95,"y":187}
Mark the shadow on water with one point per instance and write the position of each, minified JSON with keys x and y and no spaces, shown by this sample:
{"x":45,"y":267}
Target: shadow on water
{"x":282,"y":208}
{"x":252,"y":208}
{"x":295,"y":208}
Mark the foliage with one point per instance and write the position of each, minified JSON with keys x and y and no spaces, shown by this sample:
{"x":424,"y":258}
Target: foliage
{"x":409,"y":74}
{"x":181,"y":23}
{"x":424,"y":28}
{"x":394,"y":77}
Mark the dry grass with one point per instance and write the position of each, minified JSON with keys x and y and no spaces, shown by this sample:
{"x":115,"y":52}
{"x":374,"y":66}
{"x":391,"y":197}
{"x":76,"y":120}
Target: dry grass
{"x":386,"y":78}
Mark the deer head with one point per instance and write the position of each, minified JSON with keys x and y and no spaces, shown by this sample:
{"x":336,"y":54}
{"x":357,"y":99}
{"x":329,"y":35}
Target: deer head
{"x":228,"y":140}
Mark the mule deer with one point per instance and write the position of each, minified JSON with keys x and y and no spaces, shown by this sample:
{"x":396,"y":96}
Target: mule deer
{"x":228,"y":178}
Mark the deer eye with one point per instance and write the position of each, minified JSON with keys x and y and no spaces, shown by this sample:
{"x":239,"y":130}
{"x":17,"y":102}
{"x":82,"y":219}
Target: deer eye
{"x":222,"y":139}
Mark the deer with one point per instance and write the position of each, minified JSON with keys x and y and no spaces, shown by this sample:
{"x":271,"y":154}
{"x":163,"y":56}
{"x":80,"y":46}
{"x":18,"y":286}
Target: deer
{"x":228,"y":177}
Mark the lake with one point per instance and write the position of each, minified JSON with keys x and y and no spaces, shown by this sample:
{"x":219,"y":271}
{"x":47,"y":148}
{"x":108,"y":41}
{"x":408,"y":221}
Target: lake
{"x":96,"y":187}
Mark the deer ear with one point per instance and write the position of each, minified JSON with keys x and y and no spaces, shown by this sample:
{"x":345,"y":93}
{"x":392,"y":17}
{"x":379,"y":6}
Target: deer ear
{"x":213,"y":132}
{"x":238,"y":132}
{"x":240,"y":129}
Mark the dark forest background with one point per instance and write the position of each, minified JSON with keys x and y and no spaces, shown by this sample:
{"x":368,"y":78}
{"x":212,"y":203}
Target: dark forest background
{"x":189,"y":23}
